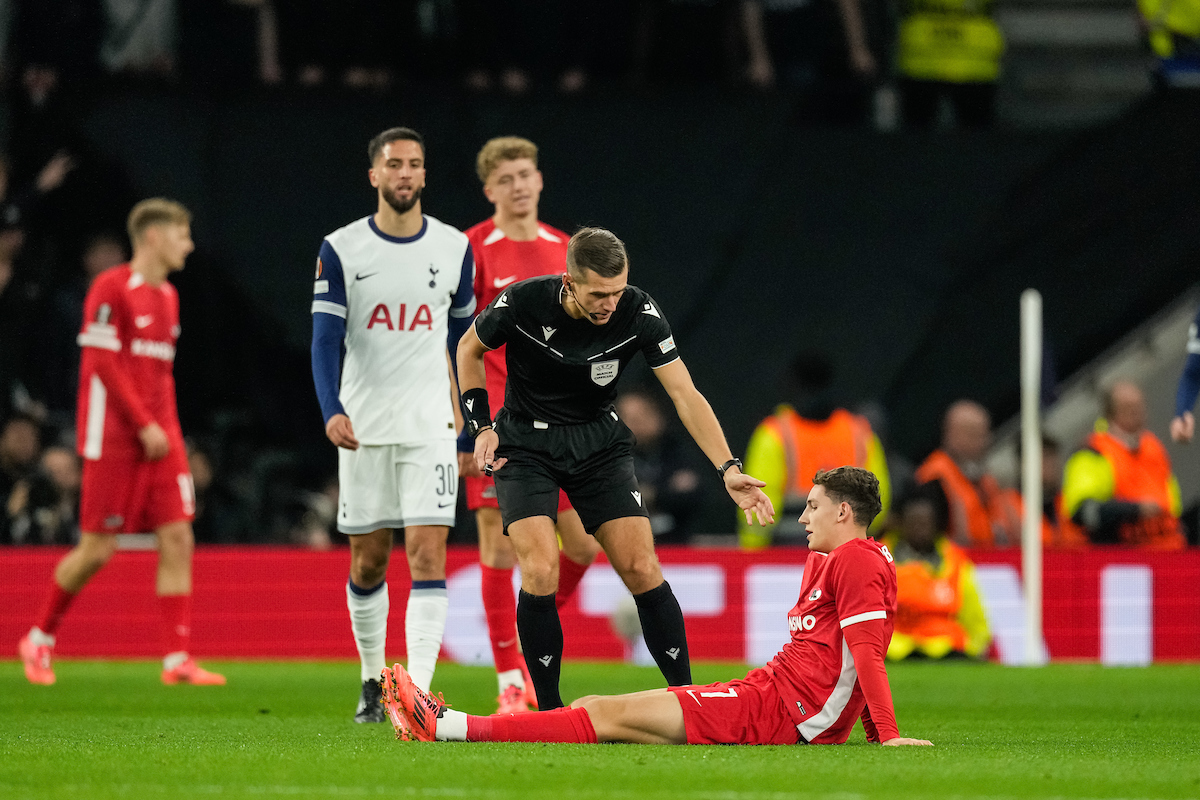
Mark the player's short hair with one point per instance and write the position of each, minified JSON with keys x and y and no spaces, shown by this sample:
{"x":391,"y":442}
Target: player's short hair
{"x":856,"y":486}
{"x":503,"y":148}
{"x":596,"y":249}
{"x":376,"y":145}
{"x":155,"y":211}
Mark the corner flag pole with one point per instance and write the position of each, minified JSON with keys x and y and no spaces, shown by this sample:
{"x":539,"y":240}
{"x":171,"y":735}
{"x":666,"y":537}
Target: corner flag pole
{"x":1031,"y":471}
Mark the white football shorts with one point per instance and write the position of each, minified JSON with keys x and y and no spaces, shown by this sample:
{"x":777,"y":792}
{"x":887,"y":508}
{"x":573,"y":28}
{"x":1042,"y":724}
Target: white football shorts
{"x":396,"y":485}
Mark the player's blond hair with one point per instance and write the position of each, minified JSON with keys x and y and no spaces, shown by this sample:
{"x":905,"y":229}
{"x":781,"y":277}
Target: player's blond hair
{"x":503,"y":148}
{"x":155,"y":211}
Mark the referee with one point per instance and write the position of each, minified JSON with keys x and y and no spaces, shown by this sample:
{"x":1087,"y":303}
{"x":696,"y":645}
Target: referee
{"x":569,"y":338}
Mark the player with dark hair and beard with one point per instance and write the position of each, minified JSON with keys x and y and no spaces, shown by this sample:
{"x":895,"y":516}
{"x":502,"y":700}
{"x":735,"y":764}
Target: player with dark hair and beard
{"x":393,"y":289}
{"x":569,"y":338}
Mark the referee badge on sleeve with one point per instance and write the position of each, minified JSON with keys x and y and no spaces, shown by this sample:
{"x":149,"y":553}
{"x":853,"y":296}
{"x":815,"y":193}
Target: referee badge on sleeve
{"x":605,"y":372}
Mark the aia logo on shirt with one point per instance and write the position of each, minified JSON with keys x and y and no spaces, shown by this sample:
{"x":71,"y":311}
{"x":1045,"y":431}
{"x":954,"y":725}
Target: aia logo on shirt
{"x":382,"y":316}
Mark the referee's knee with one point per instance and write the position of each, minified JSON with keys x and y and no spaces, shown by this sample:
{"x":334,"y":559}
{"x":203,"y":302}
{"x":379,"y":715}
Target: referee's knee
{"x":641,"y":574}
{"x":539,"y":579}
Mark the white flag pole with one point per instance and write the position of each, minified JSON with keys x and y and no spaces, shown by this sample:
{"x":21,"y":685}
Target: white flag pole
{"x":1031,"y":471}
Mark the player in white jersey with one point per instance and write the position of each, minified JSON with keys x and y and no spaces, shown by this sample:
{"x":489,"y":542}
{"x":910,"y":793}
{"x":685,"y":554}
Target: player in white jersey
{"x":394,"y":290}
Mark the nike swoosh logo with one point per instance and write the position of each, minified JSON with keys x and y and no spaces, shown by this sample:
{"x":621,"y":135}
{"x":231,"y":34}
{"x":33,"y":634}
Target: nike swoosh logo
{"x":444,"y":505}
{"x":500,"y":283}
{"x":143,"y":321}
{"x":361,"y":277}
{"x":509,"y":643}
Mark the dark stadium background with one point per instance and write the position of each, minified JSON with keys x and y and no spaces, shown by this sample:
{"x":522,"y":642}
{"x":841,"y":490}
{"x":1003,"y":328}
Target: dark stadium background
{"x":901,"y":255}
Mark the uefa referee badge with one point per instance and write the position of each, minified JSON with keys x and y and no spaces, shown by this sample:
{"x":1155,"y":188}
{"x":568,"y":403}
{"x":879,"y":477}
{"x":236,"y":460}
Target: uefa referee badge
{"x":605,"y":372}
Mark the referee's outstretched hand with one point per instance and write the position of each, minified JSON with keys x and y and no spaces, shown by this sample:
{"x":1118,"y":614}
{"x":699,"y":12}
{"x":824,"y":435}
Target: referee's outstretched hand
{"x":747,"y":493}
{"x":485,"y":452}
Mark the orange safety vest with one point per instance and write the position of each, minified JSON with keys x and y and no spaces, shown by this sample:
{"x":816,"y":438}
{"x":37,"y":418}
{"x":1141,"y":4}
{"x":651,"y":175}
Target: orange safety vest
{"x":1055,"y":535}
{"x":980,"y":515}
{"x":928,"y":601}
{"x":1140,"y":474}
{"x":812,"y":445}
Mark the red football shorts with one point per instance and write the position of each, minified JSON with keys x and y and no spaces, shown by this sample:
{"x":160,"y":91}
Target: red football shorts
{"x":748,"y":711}
{"x":123,"y":496}
{"x":481,"y":493}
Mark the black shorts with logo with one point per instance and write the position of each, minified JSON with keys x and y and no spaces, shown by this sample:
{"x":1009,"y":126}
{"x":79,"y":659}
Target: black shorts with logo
{"x":592,"y":462}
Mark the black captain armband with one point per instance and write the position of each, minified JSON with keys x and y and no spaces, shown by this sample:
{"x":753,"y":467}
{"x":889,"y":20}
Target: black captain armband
{"x":478,"y":415}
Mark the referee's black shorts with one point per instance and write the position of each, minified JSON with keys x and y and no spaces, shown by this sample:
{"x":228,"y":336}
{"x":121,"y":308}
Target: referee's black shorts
{"x":592,"y":462}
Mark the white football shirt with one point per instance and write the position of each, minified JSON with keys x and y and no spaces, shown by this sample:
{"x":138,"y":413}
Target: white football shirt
{"x":396,"y":295}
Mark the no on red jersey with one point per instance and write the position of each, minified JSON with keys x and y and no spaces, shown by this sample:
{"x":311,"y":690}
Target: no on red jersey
{"x":501,"y":262}
{"x":814,"y":672}
{"x":125,"y":373}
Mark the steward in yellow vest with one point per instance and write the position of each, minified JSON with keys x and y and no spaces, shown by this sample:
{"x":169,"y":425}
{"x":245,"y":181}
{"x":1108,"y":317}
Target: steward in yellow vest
{"x":938,"y":607}
{"x":949,"y":48}
{"x":790,"y":446}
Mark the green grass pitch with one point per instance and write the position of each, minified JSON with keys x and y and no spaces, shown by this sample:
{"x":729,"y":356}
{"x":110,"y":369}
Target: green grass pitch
{"x":111,"y":730}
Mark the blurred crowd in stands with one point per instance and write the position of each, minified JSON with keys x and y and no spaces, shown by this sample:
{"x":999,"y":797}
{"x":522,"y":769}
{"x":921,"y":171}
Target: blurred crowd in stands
{"x":844,"y":61}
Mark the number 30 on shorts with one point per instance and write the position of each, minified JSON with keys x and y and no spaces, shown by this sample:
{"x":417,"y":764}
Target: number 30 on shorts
{"x":447,"y":479}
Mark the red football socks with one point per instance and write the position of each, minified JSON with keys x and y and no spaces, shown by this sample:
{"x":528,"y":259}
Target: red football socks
{"x":176,"y":613}
{"x":560,"y":725}
{"x":57,"y":603}
{"x":500,"y":607}
{"x":570,"y":573}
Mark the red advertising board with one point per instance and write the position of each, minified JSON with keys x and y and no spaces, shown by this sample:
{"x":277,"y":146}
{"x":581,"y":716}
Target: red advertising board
{"x":1113,"y":605}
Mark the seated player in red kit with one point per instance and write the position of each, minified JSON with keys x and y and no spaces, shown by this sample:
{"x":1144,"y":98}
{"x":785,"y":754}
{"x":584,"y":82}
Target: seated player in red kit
{"x":828,"y":676}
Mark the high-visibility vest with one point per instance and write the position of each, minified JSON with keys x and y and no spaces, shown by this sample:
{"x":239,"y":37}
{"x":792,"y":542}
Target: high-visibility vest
{"x":1142,"y":474}
{"x":931,"y":604}
{"x":1167,"y":19}
{"x":786,"y":450}
{"x":951,"y":41}
{"x":980,"y":515}
{"x":813,"y":445}
{"x":1055,"y":535}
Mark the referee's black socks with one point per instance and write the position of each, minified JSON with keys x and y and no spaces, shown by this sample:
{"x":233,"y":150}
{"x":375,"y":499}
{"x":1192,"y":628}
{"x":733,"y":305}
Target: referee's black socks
{"x":662,"y":628}
{"x":542,"y":642}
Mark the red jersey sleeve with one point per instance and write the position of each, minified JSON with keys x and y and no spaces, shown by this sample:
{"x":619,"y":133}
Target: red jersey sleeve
{"x":105,"y":334}
{"x":865,"y":598}
{"x":868,"y":644}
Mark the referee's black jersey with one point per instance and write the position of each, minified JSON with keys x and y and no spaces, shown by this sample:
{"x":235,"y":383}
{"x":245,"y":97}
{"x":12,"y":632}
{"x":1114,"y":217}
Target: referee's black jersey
{"x":563,"y":370}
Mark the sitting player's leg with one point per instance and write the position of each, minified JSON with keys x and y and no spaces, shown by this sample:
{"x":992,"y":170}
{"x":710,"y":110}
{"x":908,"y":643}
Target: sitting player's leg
{"x":650,"y":717}
{"x":173,"y":585}
{"x":368,"y":603}
{"x":653,"y":717}
{"x":540,"y":629}
{"x":579,"y":550}
{"x":629,"y":545}
{"x":496,"y":560}
{"x":71,"y":574}
{"x":428,"y":604}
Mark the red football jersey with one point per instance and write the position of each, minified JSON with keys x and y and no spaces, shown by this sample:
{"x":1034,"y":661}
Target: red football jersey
{"x":499,"y":262}
{"x":815,"y":673}
{"x":125,"y":370}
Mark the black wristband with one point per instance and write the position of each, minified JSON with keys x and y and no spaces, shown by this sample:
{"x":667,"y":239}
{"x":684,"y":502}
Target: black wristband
{"x":733,"y":462}
{"x":475,"y":408}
